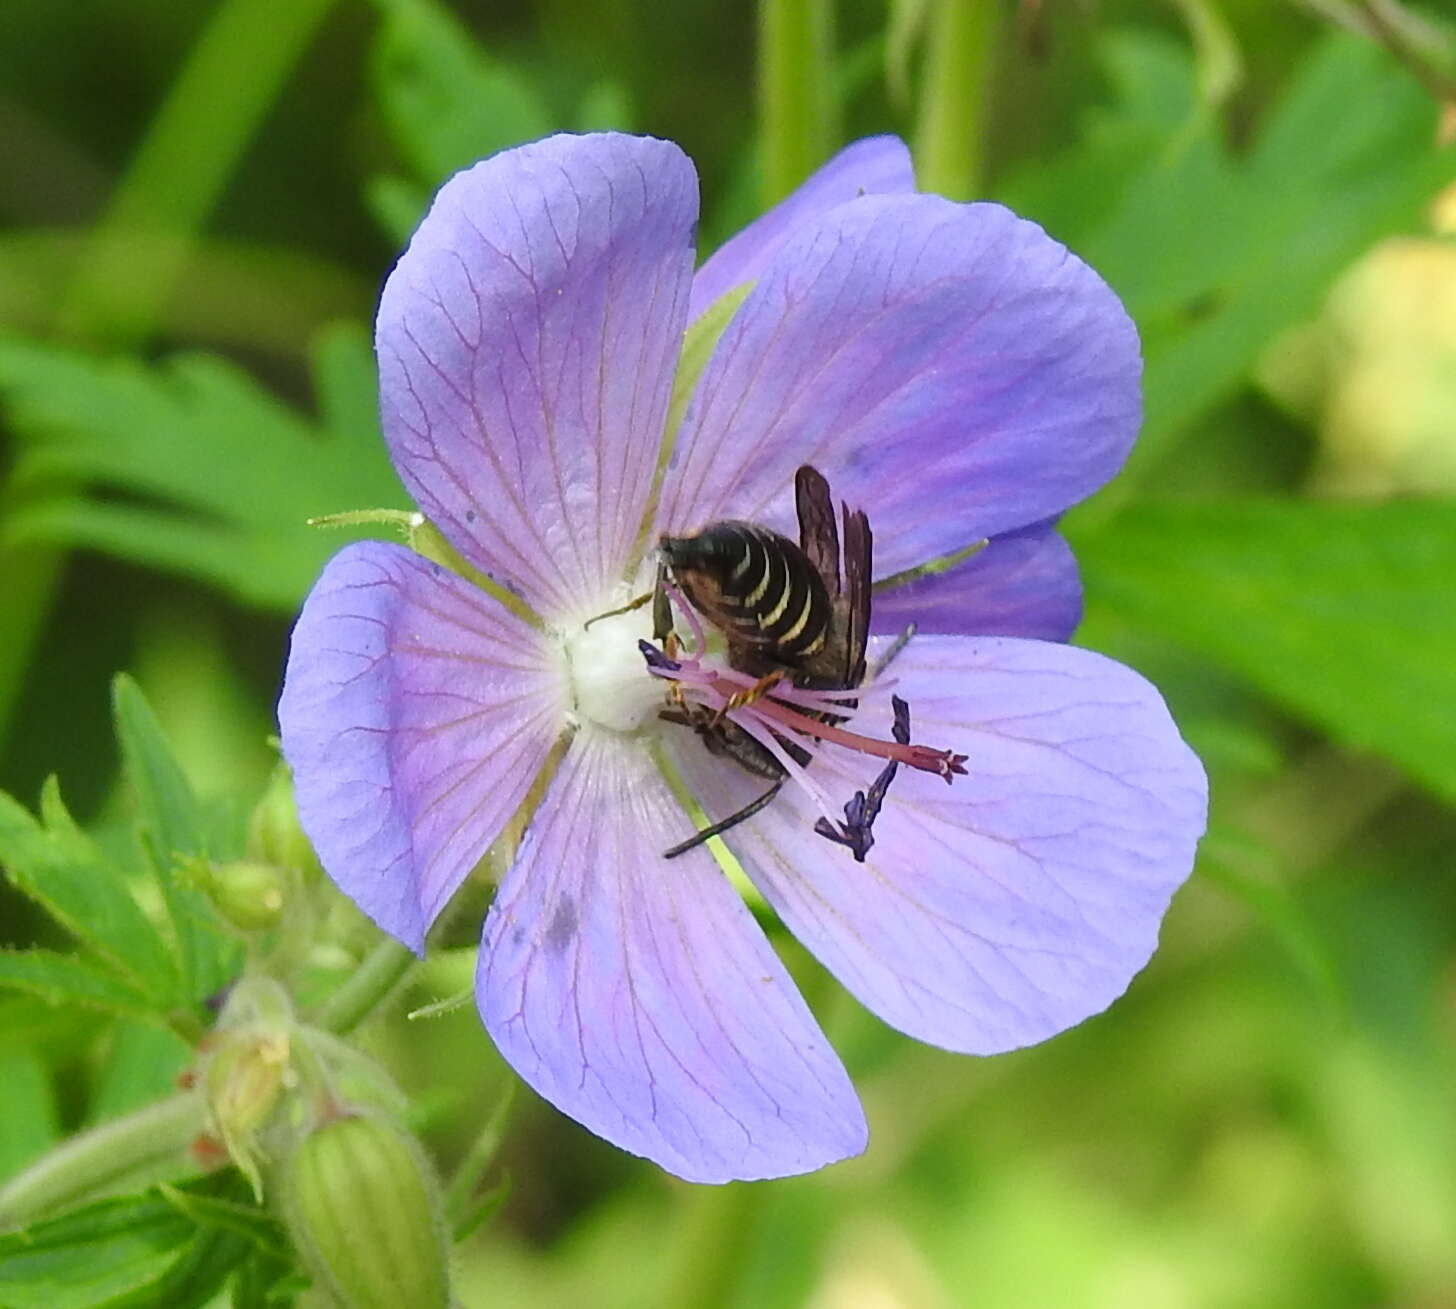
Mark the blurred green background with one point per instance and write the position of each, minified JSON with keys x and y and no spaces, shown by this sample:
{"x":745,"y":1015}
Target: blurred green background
{"x":198,"y":203}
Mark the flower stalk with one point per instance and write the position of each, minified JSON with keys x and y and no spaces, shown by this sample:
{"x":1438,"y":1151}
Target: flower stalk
{"x":796,"y":105}
{"x":146,"y":1145}
{"x":950,"y":126}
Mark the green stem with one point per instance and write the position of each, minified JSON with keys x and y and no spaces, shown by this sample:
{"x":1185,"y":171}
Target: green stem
{"x":382,"y":970}
{"x":796,"y":101}
{"x":713,"y":1234}
{"x":150,"y":1143}
{"x":230,"y":80}
{"x":482,"y":1153}
{"x":950,"y":127}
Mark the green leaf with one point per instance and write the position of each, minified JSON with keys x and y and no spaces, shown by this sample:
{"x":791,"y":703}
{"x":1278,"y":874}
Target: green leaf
{"x":96,"y":1256}
{"x":1340,"y":612}
{"x":171,"y":825}
{"x":606,"y":107}
{"x":1215,"y":255}
{"x":167,"y":809}
{"x":187,"y":465}
{"x":30,"y":1124}
{"x":140,"y":1064}
{"x":1245,"y":869}
{"x":64,"y":979}
{"x":195,"y":1277}
{"x":447,"y":102}
{"x":172,"y":1246}
{"x":397,"y":205}
{"x":228,"y":1235}
{"x":225,"y":1214}
{"x":59,"y":868}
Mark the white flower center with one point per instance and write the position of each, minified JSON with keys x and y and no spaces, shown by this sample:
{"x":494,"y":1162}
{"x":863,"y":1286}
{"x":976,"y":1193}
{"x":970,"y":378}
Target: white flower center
{"x":609,"y":679}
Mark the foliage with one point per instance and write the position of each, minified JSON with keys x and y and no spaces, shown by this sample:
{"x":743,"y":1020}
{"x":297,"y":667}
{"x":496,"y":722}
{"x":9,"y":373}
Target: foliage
{"x":1233,"y":1131}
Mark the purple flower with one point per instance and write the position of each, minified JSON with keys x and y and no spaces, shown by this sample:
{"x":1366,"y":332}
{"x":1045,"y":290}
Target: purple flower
{"x":954,"y":373}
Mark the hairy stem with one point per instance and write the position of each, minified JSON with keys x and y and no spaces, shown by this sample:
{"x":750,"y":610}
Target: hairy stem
{"x":139,"y":1147}
{"x":381,"y":971}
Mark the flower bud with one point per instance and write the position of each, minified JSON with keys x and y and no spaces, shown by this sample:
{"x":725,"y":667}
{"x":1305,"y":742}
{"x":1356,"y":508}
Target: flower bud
{"x":366,"y":1217}
{"x":246,"y":1073}
{"x":274,"y":834}
{"x":249,"y":895}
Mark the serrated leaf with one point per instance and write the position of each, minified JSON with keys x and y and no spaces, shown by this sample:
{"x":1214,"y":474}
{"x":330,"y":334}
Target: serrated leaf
{"x":222,"y":477}
{"x":62,"y":871}
{"x":194,"y":1278}
{"x":172,"y":828}
{"x":228,"y":1234}
{"x":1216,"y":255}
{"x":63,"y":979}
{"x":94,"y":1256}
{"x":447,"y":102}
{"x":1340,"y":612}
{"x":256,"y":1226}
{"x":167,"y":808}
{"x":172,"y":1246}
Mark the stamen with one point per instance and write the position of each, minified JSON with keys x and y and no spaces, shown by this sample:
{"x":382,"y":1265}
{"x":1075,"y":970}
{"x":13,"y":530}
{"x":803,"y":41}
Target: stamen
{"x":765,"y":709}
{"x":765,"y":737}
{"x":861,"y":810}
{"x":656,"y":660}
{"x":695,"y":624}
{"x":944,"y":763}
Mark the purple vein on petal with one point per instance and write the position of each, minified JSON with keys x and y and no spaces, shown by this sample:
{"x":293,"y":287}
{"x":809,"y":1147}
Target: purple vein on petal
{"x":532,"y":443}
{"x":661,"y":1019}
{"x":400,"y":792}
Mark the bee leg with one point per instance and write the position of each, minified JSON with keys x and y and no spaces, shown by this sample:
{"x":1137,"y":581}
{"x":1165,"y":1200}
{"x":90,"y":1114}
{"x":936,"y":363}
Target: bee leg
{"x":749,"y":694}
{"x":893,"y":653}
{"x":748,"y":810}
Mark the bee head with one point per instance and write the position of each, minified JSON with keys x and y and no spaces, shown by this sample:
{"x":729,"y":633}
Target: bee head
{"x":714,"y":548}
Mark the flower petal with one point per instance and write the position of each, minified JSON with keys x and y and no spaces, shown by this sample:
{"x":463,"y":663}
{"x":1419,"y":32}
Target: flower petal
{"x":876,"y":165}
{"x":640,"y":997}
{"x":950,"y":368}
{"x":1000,"y":910}
{"x":1022,"y":584}
{"x":527,"y":343}
{"x":416,"y":713}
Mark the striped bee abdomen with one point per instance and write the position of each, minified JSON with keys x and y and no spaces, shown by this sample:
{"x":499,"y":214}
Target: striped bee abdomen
{"x":759,"y":587}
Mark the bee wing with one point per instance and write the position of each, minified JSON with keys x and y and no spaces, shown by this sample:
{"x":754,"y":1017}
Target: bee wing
{"x":854,"y":604}
{"x":818,"y":535}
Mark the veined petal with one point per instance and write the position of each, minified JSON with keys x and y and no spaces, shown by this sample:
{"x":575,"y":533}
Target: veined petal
{"x":997,"y":911}
{"x":527,"y":342}
{"x":416,"y":713}
{"x":950,"y":368}
{"x":640,"y":997}
{"x":876,"y":165}
{"x":1021,"y":584}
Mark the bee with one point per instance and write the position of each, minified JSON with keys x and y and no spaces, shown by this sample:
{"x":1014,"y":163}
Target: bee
{"x":788,"y":611}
